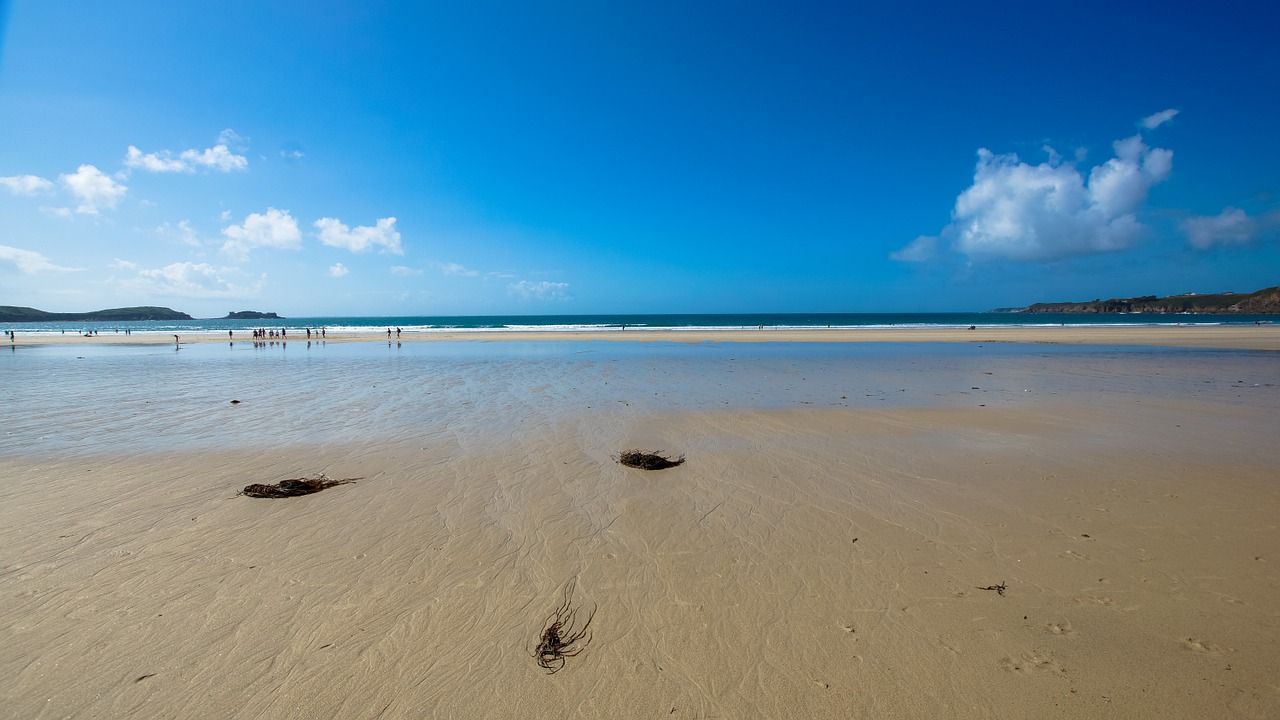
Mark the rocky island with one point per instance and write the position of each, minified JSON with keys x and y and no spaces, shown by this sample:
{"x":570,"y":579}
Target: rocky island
{"x":251,"y":315}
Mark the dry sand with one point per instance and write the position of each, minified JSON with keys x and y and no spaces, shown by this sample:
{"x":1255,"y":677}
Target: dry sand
{"x":822,"y":563}
{"x":1244,"y":337}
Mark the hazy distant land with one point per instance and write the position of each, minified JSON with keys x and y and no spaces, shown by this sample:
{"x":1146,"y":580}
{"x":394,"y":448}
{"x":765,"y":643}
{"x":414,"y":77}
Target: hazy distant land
{"x":1262,"y":302}
{"x":11,"y":313}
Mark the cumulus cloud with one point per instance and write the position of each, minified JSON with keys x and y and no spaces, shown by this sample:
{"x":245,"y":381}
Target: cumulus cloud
{"x":338,"y":270}
{"x":456,"y":269}
{"x":404,"y":271}
{"x":29,"y":262}
{"x":1018,"y":211}
{"x":219,"y":157}
{"x":1155,"y":120}
{"x":1232,"y":226}
{"x":94,"y":189}
{"x":188,"y":279}
{"x":527,"y":290}
{"x":26,"y":184}
{"x":360,"y":238}
{"x":274,"y":229}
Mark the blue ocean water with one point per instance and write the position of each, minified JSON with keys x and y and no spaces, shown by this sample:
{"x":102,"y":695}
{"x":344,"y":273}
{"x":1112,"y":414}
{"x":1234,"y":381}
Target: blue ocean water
{"x":673,"y":322}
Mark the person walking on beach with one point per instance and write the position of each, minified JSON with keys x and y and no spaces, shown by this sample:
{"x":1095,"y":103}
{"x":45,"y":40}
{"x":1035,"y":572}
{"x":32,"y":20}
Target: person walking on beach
{"x":175,"y":341}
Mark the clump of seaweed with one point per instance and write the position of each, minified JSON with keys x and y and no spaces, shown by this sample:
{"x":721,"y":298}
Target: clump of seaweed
{"x":998,"y":588}
{"x":563,"y":637}
{"x":294,"y":487}
{"x":648,"y":461}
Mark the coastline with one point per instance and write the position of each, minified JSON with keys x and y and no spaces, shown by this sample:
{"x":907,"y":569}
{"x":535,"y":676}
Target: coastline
{"x":1248,"y":337}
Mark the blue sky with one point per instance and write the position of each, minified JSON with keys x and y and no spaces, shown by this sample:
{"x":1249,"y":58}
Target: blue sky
{"x":390,"y":158}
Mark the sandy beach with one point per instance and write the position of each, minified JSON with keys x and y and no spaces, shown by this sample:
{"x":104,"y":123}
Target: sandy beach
{"x":1051,"y":534}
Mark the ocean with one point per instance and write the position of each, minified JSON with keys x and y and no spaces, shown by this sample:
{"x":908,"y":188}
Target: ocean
{"x":671,"y":322}
{"x":84,"y":398}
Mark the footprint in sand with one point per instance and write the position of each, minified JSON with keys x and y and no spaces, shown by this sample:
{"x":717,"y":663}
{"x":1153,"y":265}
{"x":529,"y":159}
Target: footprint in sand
{"x":1062,"y":628}
{"x":1074,"y":555}
{"x":1030,"y":663}
{"x":1109,"y":603}
{"x":1198,"y":646}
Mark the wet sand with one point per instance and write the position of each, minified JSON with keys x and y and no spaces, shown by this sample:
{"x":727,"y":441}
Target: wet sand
{"x":1251,"y":337}
{"x":804,"y":562}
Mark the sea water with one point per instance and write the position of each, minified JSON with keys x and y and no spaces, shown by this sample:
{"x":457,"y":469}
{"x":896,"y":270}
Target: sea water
{"x":63,"y":400}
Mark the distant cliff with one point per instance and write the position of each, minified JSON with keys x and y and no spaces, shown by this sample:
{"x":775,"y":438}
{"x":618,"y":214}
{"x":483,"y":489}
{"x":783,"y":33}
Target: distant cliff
{"x":251,"y":315}
{"x":1262,"y":302}
{"x":9,"y":313}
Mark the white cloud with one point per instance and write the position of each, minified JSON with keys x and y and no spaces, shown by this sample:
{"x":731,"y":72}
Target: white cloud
{"x":231,"y":139}
{"x":94,"y":189}
{"x":275,"y":229}
{"x":26,"y":184}
{"x":1232,"y":227}
{"x":456,"y":269}
{"x":187,"y":279}
{"x":123,"y":264}
{"x":155,"y":162}
{"x":29,"y":262}
{"x":218,"y":157}
{"x":338,"y":270}
{"x":918,"y":250}
{"x":1049,"y":211}
{"x":1155,"y":120}
{"x":57,"y":212}
{"x":403,"y":271}
{"x":526,"y":290}
{"x":360,"y":238}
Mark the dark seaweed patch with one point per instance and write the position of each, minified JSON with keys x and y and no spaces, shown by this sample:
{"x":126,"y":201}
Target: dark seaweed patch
{"x":648,"y":461}
{"x":294,"y":487}
{"x":563,"y":637}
